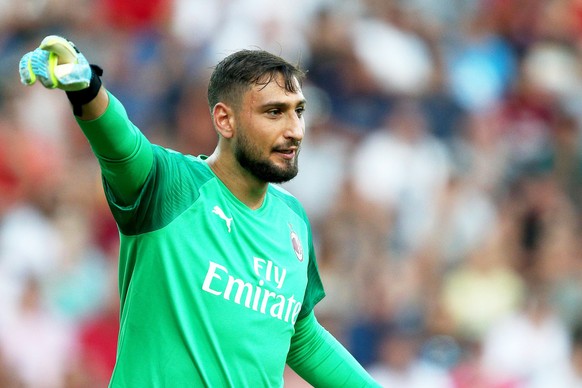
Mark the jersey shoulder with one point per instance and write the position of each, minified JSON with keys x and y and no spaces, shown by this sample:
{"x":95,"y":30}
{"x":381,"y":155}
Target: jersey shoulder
{"x":172,"y":186}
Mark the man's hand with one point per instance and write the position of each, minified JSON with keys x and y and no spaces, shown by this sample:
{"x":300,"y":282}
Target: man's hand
{"x":56,"y":63}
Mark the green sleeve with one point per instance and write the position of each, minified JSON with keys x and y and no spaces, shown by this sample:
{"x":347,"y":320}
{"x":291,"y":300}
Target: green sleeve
{"x":124,"y":153}
{"x":321,"y":360}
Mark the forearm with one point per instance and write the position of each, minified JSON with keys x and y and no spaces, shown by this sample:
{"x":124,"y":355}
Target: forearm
{"x":124,"y":153}
{"x":96,"y":107}
{"x":321,"y":360}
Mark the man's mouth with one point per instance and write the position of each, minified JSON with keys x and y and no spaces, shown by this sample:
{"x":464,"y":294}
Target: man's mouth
{"x":287,"y":153}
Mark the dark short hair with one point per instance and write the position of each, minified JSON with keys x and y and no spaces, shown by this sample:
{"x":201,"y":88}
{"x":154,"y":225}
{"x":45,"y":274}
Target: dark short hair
{"x":239,"y":71}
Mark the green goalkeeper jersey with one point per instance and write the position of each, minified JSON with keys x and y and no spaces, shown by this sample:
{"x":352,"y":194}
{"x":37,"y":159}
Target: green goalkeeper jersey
{"x":210,"y":289}
{"x":213,"y":294}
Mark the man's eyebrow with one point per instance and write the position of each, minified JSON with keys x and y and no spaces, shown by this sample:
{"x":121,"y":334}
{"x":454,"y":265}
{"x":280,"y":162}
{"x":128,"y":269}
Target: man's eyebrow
{"x":280,"y":104}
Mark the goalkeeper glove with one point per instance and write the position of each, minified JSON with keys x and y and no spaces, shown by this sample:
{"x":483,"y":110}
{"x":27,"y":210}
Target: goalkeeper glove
{"x":57,"y":63}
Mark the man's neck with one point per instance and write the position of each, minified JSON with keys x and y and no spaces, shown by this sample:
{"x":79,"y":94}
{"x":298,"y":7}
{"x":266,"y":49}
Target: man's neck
{"x":242,"y":184}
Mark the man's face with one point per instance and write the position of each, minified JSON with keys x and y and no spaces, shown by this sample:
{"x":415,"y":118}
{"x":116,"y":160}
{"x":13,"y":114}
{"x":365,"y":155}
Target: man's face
{"x":269,"y":130}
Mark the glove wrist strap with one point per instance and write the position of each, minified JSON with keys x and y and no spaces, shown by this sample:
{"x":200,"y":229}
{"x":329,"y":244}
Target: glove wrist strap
{"x":81,"y":97}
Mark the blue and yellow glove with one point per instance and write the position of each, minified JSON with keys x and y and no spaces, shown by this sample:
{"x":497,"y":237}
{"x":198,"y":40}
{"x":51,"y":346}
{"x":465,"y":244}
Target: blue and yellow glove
{"x":57,"y":63}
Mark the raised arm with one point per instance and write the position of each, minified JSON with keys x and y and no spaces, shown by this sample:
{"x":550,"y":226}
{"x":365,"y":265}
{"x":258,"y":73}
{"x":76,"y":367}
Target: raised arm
{"x":124,"y":153}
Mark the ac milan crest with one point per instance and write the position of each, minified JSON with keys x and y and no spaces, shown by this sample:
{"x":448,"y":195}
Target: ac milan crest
{"x":297,"y":247}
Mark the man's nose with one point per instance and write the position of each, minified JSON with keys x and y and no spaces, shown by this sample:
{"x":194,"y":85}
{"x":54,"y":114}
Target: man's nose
{"x":295,"y":128}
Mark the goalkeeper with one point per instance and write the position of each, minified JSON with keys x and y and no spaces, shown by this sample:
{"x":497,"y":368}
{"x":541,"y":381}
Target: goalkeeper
{"x":217,"y":271}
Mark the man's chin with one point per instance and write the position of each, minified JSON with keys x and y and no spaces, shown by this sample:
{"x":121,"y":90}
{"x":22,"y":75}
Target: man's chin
{"x":274,"y":170}
{"x":277,"y":175}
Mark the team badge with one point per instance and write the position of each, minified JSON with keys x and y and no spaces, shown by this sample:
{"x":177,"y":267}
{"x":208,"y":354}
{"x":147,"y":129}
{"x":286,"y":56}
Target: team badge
{"x":297,"y":247}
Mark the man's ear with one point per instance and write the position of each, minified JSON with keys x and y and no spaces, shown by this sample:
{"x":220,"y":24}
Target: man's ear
{"x":223,"y":116}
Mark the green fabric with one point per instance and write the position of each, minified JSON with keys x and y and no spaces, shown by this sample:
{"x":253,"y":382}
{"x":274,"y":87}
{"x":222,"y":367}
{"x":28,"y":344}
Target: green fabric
{"x":322,"y":361}
{"x":210,"y":289}
{"x":212,"y":293}
{"x":124,"y":153}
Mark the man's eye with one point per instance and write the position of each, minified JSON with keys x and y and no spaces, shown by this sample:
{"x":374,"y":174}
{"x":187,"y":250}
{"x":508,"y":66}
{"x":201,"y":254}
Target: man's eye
{"x":274,"y":112}
{"x":300,"y":111}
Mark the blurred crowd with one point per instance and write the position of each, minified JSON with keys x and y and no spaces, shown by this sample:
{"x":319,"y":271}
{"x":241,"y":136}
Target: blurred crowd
{"x":441,"y":170}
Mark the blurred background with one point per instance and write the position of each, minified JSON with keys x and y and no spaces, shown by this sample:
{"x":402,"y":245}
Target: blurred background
{"x":441,"y":169}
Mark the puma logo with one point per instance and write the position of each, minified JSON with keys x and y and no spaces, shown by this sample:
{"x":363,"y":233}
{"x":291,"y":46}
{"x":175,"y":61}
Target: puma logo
{"x":218,"y":211}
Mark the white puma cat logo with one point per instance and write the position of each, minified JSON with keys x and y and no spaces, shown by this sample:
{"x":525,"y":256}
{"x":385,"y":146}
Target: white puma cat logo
{"x":218,"y":211}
